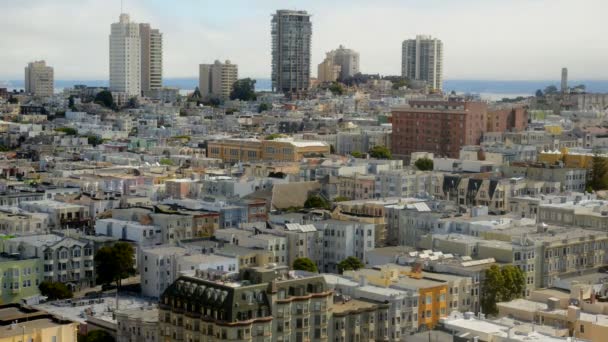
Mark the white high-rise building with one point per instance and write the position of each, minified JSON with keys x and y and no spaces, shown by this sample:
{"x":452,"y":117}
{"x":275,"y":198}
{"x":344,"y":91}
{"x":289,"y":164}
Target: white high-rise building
{"x":125,"y":57}
{"x":422,"y":60}
{"x":348,"y":60}
{"x":39,"y":79}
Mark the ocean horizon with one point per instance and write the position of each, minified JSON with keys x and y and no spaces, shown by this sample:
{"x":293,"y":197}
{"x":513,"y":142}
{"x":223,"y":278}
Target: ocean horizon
{"x":495,"y":89}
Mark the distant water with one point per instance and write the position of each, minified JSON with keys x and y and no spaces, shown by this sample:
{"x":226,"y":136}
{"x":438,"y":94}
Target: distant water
{"x":488,"y":89}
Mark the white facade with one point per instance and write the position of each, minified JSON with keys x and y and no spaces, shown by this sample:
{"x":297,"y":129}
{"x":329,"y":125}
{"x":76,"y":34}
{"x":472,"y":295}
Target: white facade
{"x":125,"y":57}
{"x":422,"y":60}
{"x":142,"y":235}
{"x":161,"y":266}
{"x":342,"y":239}
{"x":217,"y":79}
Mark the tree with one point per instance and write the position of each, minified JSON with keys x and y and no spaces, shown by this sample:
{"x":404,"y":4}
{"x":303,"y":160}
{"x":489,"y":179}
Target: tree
{"x":133,"y":102}
{"x":263,"y":107}
{"x":341,"y":199}
{"x":105,"y":99}
{"x":380,"y":152}
{"x":424,"y":164}
{"x":305,"y":264}
{"x":94,"y":140}
{"x":71,"y":102}
{"x":316,"y":201}
{"x":273,"y":136}
{"x":515,"y":282}
{"x":350,"y":264}
{"x":166,"y":161}
{"x":244,"y":90}
{"x":13,"y":100}
{"x":114,"y":263}
{"x":356,"y":154}
{"x":67,"y":130}
{"x":336,"y":88}
{"x":501,"y":285}
{"x":539,"y":93}
{"x":399,"y":83}
{"x":54,"y":290}
{"x":197,"y":94}
{"x":551,"y":90}
{"x":99,"y":336}
{"x":213,"y":102}
{"x":599,"y":170}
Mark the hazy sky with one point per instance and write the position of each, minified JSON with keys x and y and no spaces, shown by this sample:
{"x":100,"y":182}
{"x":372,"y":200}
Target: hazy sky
{"x":483,"y":39}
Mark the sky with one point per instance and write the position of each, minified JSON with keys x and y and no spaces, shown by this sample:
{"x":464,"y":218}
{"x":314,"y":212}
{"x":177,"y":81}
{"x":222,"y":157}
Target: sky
{"x":483,"y":39}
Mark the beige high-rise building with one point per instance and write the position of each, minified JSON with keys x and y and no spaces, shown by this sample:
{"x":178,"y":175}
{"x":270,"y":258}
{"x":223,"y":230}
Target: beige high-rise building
{"x":327,"y":71}
{"x":151,"y":58}
{"x":39,"y":79}
{"x":348,"y":60}
{"x":422,"y":60}
{"x":217,"y":79}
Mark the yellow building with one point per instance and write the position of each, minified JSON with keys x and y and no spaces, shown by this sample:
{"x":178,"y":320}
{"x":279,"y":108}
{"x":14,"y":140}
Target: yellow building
{"x":553,"y":129}
{"x":251,"y":150}
{"x":20,"y":324}
{"x":432,"y":293}
{"x":570,"y":159}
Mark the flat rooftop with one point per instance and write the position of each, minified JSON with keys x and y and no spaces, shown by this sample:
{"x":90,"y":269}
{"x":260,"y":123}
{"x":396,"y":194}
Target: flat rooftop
{"x":30,"y":327}
{"x":351,"y":305}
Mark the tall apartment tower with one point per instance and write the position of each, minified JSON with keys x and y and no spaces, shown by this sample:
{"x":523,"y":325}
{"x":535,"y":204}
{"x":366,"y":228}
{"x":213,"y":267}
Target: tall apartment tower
{"x":39,"y":79}
{"x":328,"y":71}
{"x":422,"y":60}
{"x":151,"y":58}
{"x":291,"y":38}
{"x":348,"y":60}
{"x":217,"y":79}
{"x":564,"y":86}
{"x":125,"y":57}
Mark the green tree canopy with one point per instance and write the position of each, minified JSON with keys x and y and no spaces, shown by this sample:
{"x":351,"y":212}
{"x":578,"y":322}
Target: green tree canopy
{"x":551,"y":89}
{"x":54,"y":290}
{"x":114,"y":263}
{"x":99,"y":336}
{"x":263,"y":107}
{"x":350,"y":264}
{"x":336,"y":88}
{"x":424,"y":164}
{"x":13,"y":100}
{"x":273,"y":136}
{"x":94,"y":139}
{"x":105,"y":99}
{"x":316,"y":201}
{"x":305,"y":264}
{"x":67,"y":130}
{"x":341,"y":199}
{"x":380,"y":152}
{"x":356,"y":154}
{"x":539,"y":93}
{"x":244,"y":90}
{"x":599,"y":172}
{"x":500,"y":285}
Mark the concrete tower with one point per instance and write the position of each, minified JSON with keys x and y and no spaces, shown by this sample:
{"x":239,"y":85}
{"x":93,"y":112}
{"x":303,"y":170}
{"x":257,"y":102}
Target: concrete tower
{"x":422,"y":60}
{"x":125,"y":57}
{"x":564,"y":86}
{"x":291,"y":38}
{"x":39,"y":79}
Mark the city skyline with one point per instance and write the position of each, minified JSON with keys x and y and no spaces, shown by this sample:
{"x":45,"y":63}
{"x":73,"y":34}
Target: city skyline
{"x":196,"y":32}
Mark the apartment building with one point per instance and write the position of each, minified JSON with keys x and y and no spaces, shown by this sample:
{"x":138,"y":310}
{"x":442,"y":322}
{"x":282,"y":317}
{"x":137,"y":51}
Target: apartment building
{"x":21,"y":323}
{"x":422,"y":60}
{"x":328,"y":71}
{"x":39,"y":79}
{"x":439,"y":127}
{"x":276,"y":245}
{"x":17,"y":221}
{"x":151,"y":58}
{"x":64,"y":259}
{"x":571,"y":179}
{"x":19,"y":277}
{"x":125,"y":57}
{"x":251,"y":150}
{"x":270,"y":304}
{"x":588,"y":213}
{"x":507,"y":119}
{"x":216,"y":80}
{"x":61,"y":215}
{"x":160,"y":266}
{"x":291,"y":33}
{"x":342,"y":239}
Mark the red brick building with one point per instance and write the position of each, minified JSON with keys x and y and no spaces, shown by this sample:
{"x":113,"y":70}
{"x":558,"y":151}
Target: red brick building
{"x":440,"y":127}
{"x":507,"y":119}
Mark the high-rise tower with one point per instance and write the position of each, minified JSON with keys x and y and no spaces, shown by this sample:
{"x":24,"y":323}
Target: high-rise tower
{"x":422,"y":60}
{"x":125,"y":57}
